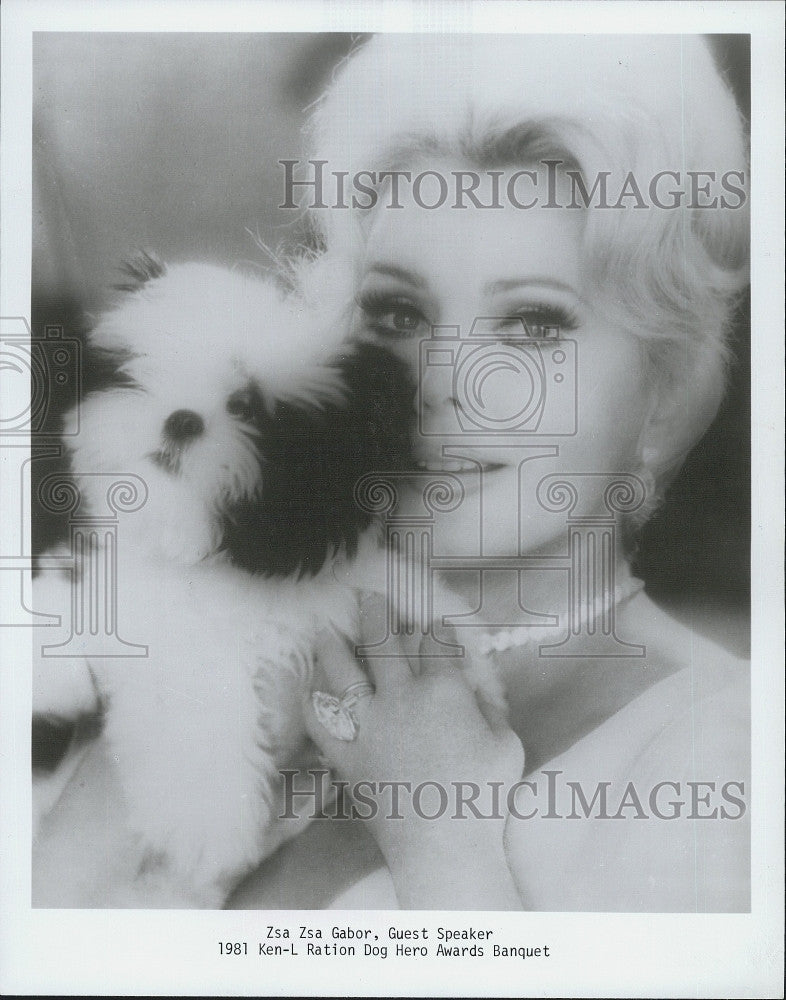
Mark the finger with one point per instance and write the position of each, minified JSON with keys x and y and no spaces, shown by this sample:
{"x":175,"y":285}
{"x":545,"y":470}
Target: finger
{"x":393,"y":669}
{"x":479,"y":673}
{"x":454,"y":656}
{"x":335,"y":671}
{"x":494,"y":711}
{"x":410,"y":641}
{"x":337,"y":665}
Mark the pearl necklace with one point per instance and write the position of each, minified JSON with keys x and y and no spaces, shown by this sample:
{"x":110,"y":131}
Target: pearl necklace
{"x":488,"y":643}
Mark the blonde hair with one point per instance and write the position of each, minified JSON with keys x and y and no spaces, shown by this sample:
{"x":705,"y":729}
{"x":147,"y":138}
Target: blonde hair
{"x":637,"y":105}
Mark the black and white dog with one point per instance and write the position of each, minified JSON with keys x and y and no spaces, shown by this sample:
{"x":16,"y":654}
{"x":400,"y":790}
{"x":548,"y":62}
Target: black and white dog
{"x":249,"y":418}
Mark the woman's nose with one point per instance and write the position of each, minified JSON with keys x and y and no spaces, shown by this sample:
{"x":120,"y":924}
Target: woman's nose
{"x":435,"y":400}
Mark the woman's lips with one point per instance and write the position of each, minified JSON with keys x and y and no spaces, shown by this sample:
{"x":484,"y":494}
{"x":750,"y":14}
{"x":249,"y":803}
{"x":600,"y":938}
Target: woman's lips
{"x":456,"y":465}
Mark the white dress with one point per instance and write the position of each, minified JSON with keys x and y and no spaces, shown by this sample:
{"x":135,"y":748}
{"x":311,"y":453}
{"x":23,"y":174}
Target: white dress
{"x":692,"y":726}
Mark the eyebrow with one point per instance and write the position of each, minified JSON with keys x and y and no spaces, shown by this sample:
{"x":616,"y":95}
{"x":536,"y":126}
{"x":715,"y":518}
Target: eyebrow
{"x":394,"y":271}
{"x":493,"y":288}
{"x":542,"y":280}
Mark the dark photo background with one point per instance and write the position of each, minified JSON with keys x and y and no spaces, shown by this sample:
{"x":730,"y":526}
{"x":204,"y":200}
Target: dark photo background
{"x":170,"y":142}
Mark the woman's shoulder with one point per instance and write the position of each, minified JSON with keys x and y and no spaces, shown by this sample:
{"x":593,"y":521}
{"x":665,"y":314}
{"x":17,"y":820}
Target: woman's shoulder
{"x":693,"y":635}
{"x":700,"y":680}
{"x":650,"y":810}
{"x":696,"y":711}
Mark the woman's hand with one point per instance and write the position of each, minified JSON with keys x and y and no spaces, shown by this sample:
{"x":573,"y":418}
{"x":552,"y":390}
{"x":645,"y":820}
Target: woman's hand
{"x":422,"y":725}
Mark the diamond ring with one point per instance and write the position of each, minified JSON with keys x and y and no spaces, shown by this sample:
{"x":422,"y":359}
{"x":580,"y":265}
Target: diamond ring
{"x":336,"y":715}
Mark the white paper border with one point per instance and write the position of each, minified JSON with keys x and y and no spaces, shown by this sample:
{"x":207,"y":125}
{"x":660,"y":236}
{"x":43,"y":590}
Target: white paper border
{"x":165,"y":953}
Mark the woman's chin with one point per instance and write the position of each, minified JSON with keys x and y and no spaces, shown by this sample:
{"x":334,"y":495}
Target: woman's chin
{"x":472,"y":513}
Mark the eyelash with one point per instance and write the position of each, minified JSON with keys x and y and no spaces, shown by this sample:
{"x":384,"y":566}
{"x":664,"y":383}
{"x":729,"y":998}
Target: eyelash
{"x":376,"y":305}
{"x":538,"y":316}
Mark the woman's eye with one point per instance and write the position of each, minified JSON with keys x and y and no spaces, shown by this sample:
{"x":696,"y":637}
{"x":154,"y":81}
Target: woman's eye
{"x":404,"y":319}
{"x":537,"y":324}
{"x":392,"y":317}
{"x":241,"y":405}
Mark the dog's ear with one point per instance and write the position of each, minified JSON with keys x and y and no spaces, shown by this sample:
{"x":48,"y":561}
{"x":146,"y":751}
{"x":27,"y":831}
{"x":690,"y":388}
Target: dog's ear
{"x":140,"y":269}
{"x":311,"y":459}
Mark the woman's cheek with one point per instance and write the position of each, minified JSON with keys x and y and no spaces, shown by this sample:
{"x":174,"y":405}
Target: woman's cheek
{"x":612,"y":396}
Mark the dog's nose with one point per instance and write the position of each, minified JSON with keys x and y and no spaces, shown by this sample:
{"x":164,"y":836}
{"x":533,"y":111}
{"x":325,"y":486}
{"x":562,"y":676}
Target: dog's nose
{"x":182,"y":425}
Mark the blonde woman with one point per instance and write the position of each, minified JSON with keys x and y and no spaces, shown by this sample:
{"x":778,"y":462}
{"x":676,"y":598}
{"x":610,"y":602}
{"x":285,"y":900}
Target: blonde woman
{"x":576,"y":205}
{"x":608,"y":179}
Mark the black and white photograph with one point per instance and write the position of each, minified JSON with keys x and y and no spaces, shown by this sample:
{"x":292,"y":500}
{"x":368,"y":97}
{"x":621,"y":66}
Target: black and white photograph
{"x":394,"y":570}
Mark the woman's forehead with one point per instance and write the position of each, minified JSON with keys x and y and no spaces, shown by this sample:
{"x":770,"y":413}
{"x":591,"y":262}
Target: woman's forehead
{"x":486,"y":229}
{"x":481,"y":245}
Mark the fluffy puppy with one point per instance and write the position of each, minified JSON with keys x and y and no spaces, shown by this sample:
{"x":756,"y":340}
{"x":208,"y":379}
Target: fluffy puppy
{"x":249,"y":420}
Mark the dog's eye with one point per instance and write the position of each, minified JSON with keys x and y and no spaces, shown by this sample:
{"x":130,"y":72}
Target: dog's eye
{"x":241,"y":405}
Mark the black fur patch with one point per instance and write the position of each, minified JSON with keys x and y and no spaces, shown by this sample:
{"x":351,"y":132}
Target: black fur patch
{"x":311,"y":459}
{"x":103,"y":370}
{"x":140,"y":269}
{"x":51,"y":740}
{"x":52,"y":737}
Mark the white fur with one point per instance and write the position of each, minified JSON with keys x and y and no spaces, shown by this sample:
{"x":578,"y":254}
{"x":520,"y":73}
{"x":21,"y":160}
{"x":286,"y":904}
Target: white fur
{"x":200,"y":727}
{"x":196,"y":334}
